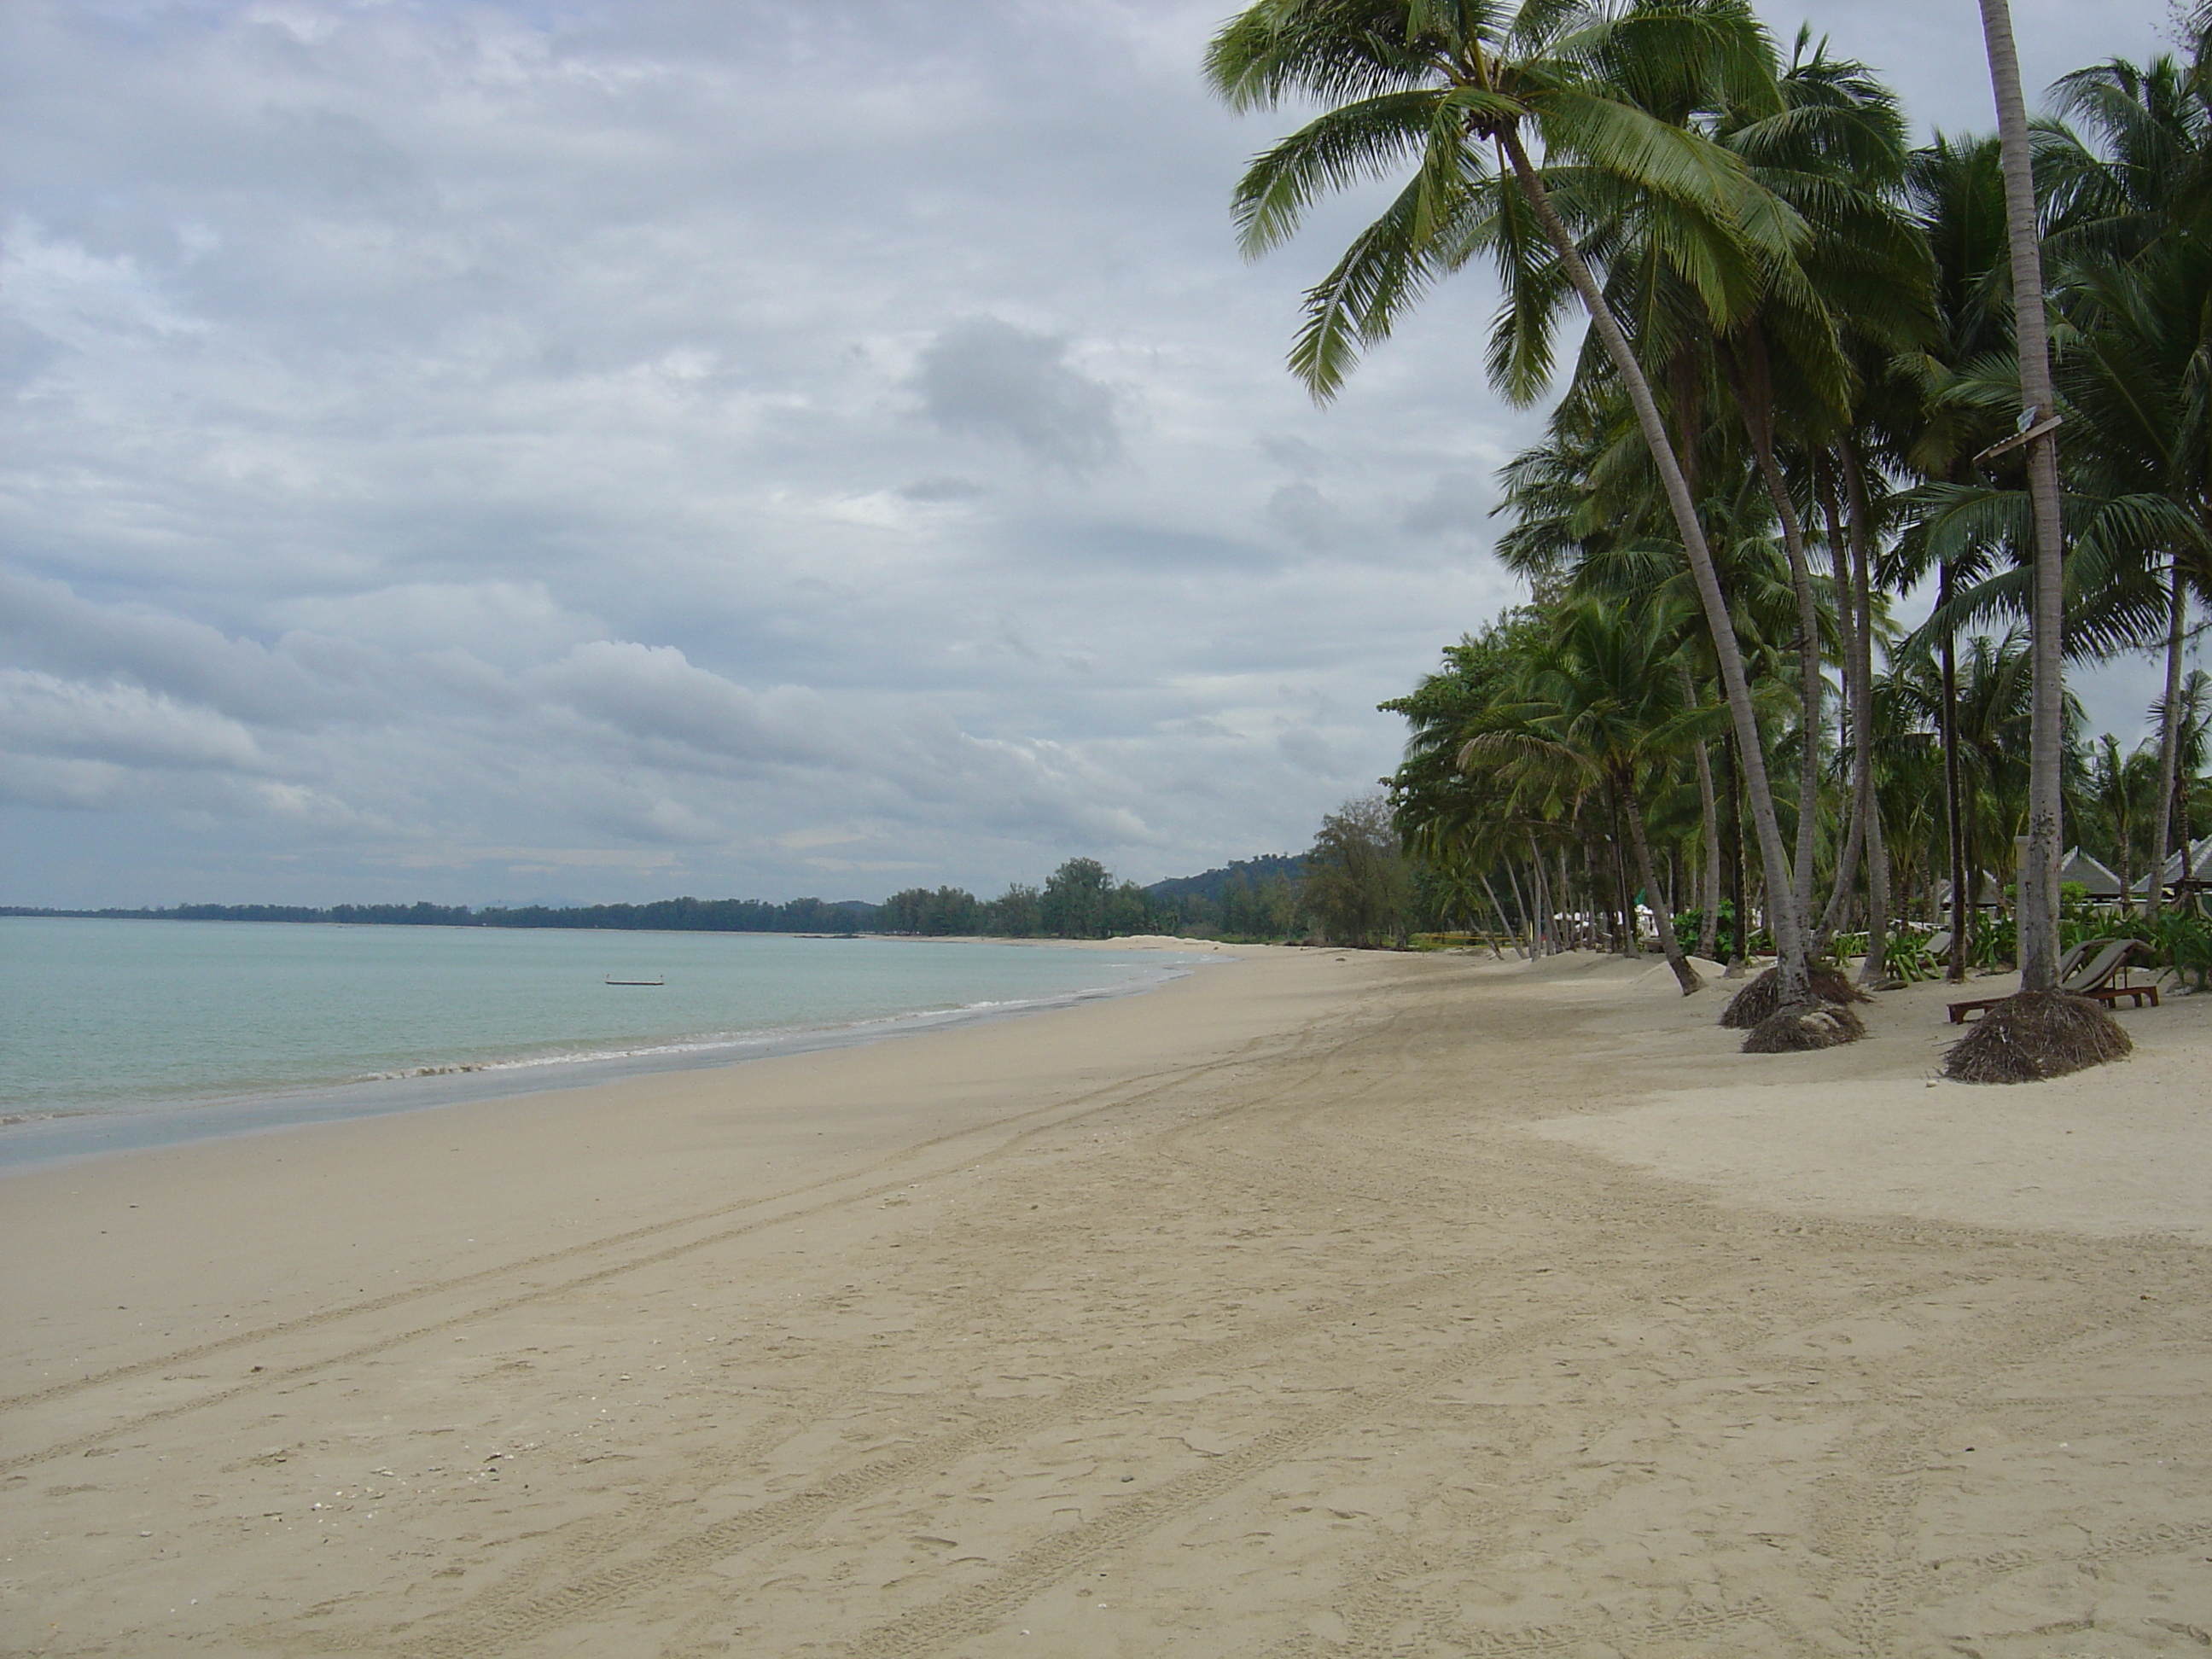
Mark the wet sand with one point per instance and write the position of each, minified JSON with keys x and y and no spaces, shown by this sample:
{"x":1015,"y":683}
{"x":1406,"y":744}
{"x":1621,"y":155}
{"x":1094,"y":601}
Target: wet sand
{"x":1318,"y":1303}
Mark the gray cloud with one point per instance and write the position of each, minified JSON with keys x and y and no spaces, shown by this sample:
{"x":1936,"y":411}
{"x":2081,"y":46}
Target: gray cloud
{"x":491,"y":453}
{"x":651,"y":695}
{"x":990,"y":378}
{"x":1305,"y":515}
{"x":122,"y":724}
{"x":945,"y":489}
{"x":1457,"y":501}
{"x":1299,"y":457}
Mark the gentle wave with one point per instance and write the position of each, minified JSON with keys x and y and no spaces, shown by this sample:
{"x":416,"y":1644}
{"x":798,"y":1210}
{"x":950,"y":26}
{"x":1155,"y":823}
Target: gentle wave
{"x":722,"y":1041}
{"x":124,"y":1034}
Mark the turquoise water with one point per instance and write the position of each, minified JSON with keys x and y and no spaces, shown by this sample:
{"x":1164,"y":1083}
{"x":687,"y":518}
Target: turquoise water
{"x":140,"y":1033}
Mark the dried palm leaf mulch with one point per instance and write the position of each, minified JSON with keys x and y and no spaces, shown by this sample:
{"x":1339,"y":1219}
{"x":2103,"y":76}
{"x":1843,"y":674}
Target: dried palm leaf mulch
{"x":1759,"y":1000}
{"x":1803,"y":1026}
{"x":2035,"y":1036}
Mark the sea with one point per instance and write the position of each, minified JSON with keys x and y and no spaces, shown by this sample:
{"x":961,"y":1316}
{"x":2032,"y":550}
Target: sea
{"x":119,"y":1035}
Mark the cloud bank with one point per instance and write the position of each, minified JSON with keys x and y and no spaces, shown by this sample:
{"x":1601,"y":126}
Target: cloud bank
{"x":598,"y":451}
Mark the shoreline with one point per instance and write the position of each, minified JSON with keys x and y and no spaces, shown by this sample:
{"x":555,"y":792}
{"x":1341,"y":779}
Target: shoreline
{"x":1342,"y":1303}
{"x":37,"y":1138}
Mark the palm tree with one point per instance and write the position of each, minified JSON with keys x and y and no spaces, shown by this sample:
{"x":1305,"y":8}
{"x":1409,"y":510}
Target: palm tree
{"x":1834,"y":151}
{"x":2133,"y":232}
{"x":1458,"y":821}
{"x":1958,"y":190}
{"x":1587,"y":522}
{"x":2188,"y":715}
{"x":1910,"y":798}
{"x":2038,"y":880}
{"x":1991,"y":718}
{"x":1595,"y":708}
{"x":1829,"y":145}
{"x":2121,"y":791}
{"x":1455,"y":89}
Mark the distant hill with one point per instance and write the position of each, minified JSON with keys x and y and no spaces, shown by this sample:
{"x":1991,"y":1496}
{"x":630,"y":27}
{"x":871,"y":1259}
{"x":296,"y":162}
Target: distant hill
{"x":1211,"y":884}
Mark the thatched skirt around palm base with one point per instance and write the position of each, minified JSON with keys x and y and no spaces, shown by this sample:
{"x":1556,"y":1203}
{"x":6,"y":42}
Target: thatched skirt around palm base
{"x":1803,"y":1026}
{"x":2035,"y":1036}
{"x":1761,"y":999}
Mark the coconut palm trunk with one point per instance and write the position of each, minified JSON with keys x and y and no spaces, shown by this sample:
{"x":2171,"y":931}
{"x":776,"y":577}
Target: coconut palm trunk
{"x":2039,"y":875}
{"x":1546,"y":932}
{"x":1499,"y":910}
{"x":1579,"y":934}
{"x":1708,"y":889}
{"x":1860,"y":607}
{"x":1847,"y":626}
{"x":1785,"y":918}
{"x":1743,"y":360}
{"x":2169,"y":743}
{"x":1739,"y":954}
{"x":1710,"y":878}
{"x":1954,"y":799}
{"x":1527,"y":929}
{"x":1677,"y":958}
{"x":1624,"y":896}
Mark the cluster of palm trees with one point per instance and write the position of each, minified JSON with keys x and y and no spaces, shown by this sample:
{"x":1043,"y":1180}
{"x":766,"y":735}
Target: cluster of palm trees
{"x":1804,"y":388}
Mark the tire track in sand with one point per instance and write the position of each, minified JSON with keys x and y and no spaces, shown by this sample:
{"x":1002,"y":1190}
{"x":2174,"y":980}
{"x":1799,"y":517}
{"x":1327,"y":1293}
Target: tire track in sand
{"x":511,"y":1622}
{"x":976,"y":1609}
{"x":1115,"y":1096}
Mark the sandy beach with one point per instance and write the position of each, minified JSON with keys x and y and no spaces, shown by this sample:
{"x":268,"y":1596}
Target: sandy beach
{"x":1317,"y":1304}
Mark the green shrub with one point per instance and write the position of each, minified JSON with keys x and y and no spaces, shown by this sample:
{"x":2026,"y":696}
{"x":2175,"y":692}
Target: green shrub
{"x":2183,"y":946}
{"x":1689,"y":922}
{"x":1997,"y":944}
{"x":1905,"y":956}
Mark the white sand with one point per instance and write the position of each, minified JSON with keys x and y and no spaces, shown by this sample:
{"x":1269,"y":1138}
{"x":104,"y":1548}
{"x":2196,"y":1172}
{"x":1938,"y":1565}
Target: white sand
{"x":1317,"y":1304}
{"x":2114,"y":1150}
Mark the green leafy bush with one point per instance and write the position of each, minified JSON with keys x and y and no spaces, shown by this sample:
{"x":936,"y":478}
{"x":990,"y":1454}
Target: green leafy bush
{"x":1905,"y":956}
{"x":1997,"y":944}
{"x":1689,"y":922}
{"x":2184,"y":945}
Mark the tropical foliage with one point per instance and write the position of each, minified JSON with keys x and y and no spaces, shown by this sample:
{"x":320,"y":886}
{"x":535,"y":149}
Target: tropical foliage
{"x":1805,"y":405}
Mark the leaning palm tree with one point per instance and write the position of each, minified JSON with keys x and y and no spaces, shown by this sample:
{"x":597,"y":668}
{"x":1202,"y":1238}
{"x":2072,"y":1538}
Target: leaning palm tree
{"x":1835,"y":151}
{"x":1457,"y":91}
{"x":1827,"y":142}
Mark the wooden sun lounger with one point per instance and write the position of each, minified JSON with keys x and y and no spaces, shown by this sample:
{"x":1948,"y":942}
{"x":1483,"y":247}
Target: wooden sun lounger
{"x":2092,"y":978}
{"x":2109,"y":995}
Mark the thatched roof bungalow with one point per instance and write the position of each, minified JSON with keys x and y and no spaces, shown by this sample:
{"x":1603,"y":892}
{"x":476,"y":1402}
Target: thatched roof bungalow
{"x":2090,"y":874}
{"x":2196,"y":872}
{"x":1989,"y":896}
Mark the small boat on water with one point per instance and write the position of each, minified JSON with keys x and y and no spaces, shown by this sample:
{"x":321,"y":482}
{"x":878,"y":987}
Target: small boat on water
{"x":662,"y":980}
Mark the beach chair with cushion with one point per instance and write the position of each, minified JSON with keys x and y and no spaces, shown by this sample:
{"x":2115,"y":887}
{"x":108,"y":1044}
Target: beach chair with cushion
{"x":2118,"y":983}
{"x":2089,"y":969}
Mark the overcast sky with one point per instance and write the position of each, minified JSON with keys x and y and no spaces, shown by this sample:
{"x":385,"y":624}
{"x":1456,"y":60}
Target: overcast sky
{"x":497,"y":452}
